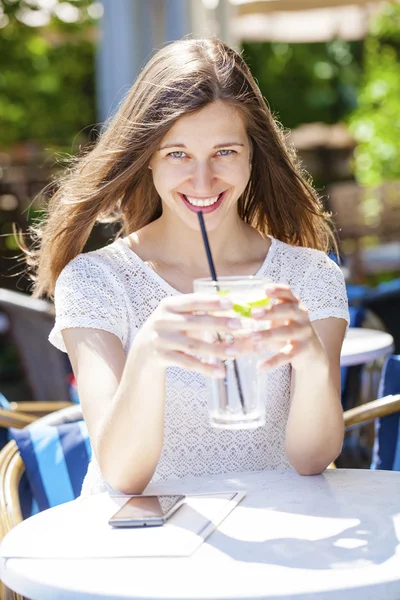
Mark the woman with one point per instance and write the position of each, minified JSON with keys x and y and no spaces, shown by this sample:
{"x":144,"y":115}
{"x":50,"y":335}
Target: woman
{"x":193,"y":133}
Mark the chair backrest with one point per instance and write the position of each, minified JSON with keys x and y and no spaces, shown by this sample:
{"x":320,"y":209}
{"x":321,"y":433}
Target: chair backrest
{"x":13,"y":483}
{"x":384,"y":302}
{"x":46,"y":368}
{"x":386,"y":451}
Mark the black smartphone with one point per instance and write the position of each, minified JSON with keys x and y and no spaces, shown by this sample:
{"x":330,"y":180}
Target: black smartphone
{"x":146,"y":511}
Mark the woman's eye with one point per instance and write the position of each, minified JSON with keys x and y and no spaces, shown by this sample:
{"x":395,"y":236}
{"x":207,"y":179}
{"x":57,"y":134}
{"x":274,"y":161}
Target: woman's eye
{"x":225,"y":152}
{"x":177,"y":154}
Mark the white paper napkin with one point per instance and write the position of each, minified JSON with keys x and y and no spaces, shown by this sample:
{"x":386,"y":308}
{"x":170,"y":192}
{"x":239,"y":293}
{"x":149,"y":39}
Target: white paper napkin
{"x":80,"y":529}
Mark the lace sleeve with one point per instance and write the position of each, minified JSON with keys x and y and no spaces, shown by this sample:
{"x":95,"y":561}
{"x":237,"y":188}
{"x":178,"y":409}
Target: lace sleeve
{"x":87,"y":295}
{"x":323,"y":291}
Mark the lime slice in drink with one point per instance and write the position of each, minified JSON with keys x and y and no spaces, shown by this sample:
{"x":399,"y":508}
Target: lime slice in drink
{"x":244,"y":308}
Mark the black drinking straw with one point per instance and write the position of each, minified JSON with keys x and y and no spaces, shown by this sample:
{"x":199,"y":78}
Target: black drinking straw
{"x":215,"y":279}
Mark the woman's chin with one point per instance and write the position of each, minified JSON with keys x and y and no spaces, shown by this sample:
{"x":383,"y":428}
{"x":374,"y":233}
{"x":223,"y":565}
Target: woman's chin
{"x":212,"y":224}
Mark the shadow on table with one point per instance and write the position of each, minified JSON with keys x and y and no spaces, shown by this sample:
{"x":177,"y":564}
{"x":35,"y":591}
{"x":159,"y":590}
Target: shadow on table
{"x":370,"y":538}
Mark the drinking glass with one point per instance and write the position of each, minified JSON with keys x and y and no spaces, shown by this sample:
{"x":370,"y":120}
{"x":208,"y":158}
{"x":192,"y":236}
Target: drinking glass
{"x":237,"y":401}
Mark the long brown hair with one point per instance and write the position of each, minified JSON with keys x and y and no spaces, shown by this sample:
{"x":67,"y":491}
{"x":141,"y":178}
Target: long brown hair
{"x":111,"y":182}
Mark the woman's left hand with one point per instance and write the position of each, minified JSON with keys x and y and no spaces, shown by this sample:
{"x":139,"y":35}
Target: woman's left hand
{"x":290,"y":334}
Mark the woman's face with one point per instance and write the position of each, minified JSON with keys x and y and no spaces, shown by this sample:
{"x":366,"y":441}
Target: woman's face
{"x":203,"y":163}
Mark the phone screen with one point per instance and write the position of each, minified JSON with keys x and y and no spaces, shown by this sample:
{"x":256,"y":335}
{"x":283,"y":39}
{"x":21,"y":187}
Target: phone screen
{"x":142,"y":509}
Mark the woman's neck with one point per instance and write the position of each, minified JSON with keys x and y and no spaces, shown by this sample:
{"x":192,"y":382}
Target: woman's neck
{"x":159,"y":241}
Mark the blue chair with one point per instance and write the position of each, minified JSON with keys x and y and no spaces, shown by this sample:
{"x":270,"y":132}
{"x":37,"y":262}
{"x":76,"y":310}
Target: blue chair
{"x":386,"y":451}
{"x":53,"y":454}
{"x":385,"y":411}
{"x":356,"y":293}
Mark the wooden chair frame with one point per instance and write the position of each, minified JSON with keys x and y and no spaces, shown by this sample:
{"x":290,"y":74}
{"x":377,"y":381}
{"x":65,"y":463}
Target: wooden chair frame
{"x":20,"y":414}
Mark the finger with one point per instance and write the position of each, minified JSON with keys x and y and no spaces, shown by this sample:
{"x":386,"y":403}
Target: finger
{"x":284,"y":311}
{"x":280,"y":291}
{"x":283,"y":357}
{"x":189,"y":322}
{"x":189,"y":303}
{"x":185,"y":361}
{"x":194,"y":346}
{"x":279,"y":335}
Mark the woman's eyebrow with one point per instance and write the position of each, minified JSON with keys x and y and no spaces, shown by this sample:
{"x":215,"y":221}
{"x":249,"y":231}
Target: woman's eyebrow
{"x":224,"y":145}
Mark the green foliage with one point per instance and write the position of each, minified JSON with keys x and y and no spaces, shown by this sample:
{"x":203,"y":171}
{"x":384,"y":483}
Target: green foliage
{"x":304,"y":83}
{"x":46,"y":76}
{"x":376,"y":122}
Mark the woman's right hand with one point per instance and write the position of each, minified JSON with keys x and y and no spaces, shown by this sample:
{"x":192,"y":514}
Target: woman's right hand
{"x":175,"y":333}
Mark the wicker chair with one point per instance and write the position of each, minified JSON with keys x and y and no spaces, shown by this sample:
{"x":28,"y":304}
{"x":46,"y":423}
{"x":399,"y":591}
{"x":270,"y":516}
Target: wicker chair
{"x":12,"y":469}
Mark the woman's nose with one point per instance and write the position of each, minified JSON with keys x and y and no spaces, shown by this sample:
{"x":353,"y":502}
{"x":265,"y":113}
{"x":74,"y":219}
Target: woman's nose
{"x":202,"y":177}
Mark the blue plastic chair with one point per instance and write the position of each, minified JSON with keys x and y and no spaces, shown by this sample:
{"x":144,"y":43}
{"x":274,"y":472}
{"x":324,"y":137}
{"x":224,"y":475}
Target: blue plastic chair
{"x":386,"y":451}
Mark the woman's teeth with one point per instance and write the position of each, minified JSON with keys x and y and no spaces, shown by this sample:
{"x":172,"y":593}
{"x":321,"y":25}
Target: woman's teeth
{"x":202,"y":202}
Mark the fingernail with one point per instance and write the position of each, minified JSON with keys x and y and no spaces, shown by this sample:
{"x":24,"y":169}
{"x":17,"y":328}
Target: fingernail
{"x":257,"y":336}
{"x":233,"y":323}
{"x":258,"y":312}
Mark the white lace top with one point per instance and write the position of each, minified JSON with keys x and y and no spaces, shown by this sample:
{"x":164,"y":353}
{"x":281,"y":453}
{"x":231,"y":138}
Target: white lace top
{"x":114,"y":290}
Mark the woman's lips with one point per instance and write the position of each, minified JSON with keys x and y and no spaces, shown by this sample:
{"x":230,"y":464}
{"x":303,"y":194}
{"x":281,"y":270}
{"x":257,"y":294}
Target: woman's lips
{"x":204,"y":209}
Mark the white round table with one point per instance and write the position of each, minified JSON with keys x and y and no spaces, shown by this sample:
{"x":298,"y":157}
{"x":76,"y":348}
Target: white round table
{"x":331,"y":536}
{"x":365,"y":345}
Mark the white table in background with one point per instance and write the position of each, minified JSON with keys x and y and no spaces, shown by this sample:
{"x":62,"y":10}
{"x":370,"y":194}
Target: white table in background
{"x":365,"y":345}
{"x":333,"y":536}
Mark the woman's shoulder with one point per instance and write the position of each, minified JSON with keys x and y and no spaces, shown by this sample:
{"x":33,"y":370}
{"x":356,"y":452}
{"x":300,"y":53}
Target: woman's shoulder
{"x":300,"y":259}
{"x":89,"y":294}
{"x":314,"y":277}
{"x":103,"y":263}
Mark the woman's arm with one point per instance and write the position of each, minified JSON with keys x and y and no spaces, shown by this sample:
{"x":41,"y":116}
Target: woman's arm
{"x":315,"y":429}
{"x":122,"y":396}
{"x":122,"y":399}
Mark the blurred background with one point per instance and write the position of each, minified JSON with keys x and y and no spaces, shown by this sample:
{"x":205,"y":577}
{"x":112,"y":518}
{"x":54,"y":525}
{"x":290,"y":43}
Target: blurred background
{"x":329,"y":69}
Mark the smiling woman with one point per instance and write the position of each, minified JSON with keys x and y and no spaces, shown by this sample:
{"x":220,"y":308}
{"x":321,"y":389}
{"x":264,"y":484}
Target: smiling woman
{"x":194,"y":134}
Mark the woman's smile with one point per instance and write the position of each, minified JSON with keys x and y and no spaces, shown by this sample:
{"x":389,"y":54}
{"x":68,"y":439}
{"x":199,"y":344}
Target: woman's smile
{"x":205,"y":204}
